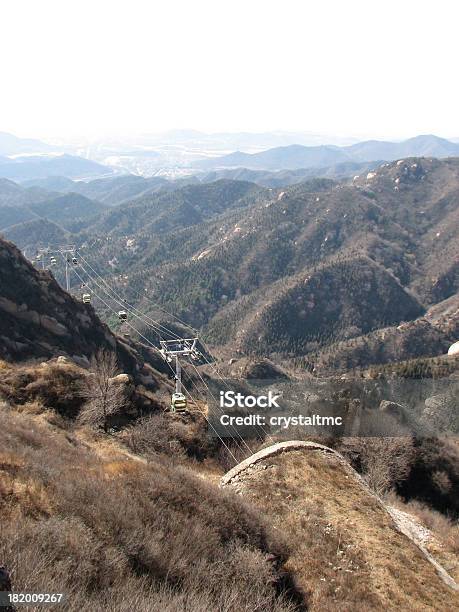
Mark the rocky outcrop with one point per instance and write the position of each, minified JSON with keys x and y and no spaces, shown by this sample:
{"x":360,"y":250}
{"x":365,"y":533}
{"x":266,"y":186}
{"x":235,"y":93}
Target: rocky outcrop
{"x":442,"y":412}
{"x":39,"y":320}
{"x":393,"y":409}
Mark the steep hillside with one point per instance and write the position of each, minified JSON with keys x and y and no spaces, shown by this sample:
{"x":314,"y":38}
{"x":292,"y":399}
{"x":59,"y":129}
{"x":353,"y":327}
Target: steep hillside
{"x":20,"y":204}
{"x":85,"y":517}
{"x":40,"y":321}
{"x":30,"y":235}
{"x":110,"y":191}
{"x":113,"y":191}
{"x":67,"y":207}
{"x":346,"y":298}
{"x":188,"y":206}
{"x":284,"y":178}
{"x":129,"y":515}
{"x":388,"y":218}
{"x":13,"y":194}
{"x":350,"y":550}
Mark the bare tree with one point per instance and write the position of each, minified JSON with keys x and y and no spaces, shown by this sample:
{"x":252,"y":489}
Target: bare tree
{"x":104,"y":395}
{"x":384,"y":461}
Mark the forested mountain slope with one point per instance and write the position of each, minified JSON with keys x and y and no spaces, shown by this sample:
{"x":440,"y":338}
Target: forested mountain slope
{"x":296,"y":271}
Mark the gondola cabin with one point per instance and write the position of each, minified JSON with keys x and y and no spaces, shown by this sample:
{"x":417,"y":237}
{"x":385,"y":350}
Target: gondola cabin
{"x":178,"y":402}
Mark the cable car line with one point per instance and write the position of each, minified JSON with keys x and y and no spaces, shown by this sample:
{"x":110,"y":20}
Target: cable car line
{"x":164,"y":327}
{"x":156,"y":348}
{"x":155,"y":325}
{"x":237,"y":434}
{"x":131,"y":307}
{"x":119,"y":301}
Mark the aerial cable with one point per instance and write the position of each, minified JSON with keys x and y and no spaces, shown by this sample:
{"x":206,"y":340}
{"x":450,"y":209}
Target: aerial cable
{"x":120,"y":303}
{"x":124,"y":302}
{"x":155,"y":304}
{"x":156,"y":348}
{"x":194,"y":367}
{"x":217,"y":404}
{"x":152,"y":345}
{"x":206,"y":361}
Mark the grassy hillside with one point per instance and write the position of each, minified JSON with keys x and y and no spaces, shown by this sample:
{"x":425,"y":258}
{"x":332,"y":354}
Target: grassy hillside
{"x":349,"y":552}
{"x":113,"y":532}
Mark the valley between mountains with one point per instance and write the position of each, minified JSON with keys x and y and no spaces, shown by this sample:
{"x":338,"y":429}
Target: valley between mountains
{"x":324,"y":274}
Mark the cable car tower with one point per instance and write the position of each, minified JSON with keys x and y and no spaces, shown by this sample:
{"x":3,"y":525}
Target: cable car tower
{"x":42,"y":254}
{"x":68,"y":252}
{"x":173,"y":350}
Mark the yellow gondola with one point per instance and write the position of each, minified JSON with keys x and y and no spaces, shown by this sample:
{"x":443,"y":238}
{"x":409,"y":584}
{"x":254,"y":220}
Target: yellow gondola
{"x":178,"y":402}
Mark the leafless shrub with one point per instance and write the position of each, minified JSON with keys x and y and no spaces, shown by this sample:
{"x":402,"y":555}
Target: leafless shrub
{"x":384,"y":462}
{"x":49,"y":386}
{"x":103,"y":395}
{"x":168,"y":434}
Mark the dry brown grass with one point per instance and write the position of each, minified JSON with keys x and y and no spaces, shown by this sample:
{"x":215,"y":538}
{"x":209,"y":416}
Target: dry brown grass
{"x":170,"y":435}
{"x":119,"y":534}
{"x":444,"y":544}
{"x":49,"y":386}
{"x":345,"y":548}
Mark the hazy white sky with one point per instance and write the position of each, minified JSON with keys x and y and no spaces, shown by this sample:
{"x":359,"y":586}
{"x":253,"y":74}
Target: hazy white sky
{"x":354,"y":67}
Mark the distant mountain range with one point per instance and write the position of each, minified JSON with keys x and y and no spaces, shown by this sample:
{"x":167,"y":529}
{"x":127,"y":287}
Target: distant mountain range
{"x":297,"y":156}
{"x":111,"y":190}
{"x":41,"y":166}
{"x":21,"y":205}
{"x":116,"y":190}
{"x":13,"y":145}
{"x":192,"y":156}
{"x":331,"y":273}
{"x":283,"y":178}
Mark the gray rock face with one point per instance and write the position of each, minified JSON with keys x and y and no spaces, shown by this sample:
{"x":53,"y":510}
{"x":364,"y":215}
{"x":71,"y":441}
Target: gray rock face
{"x":394,"y":409}
{"x":442,"y":412}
